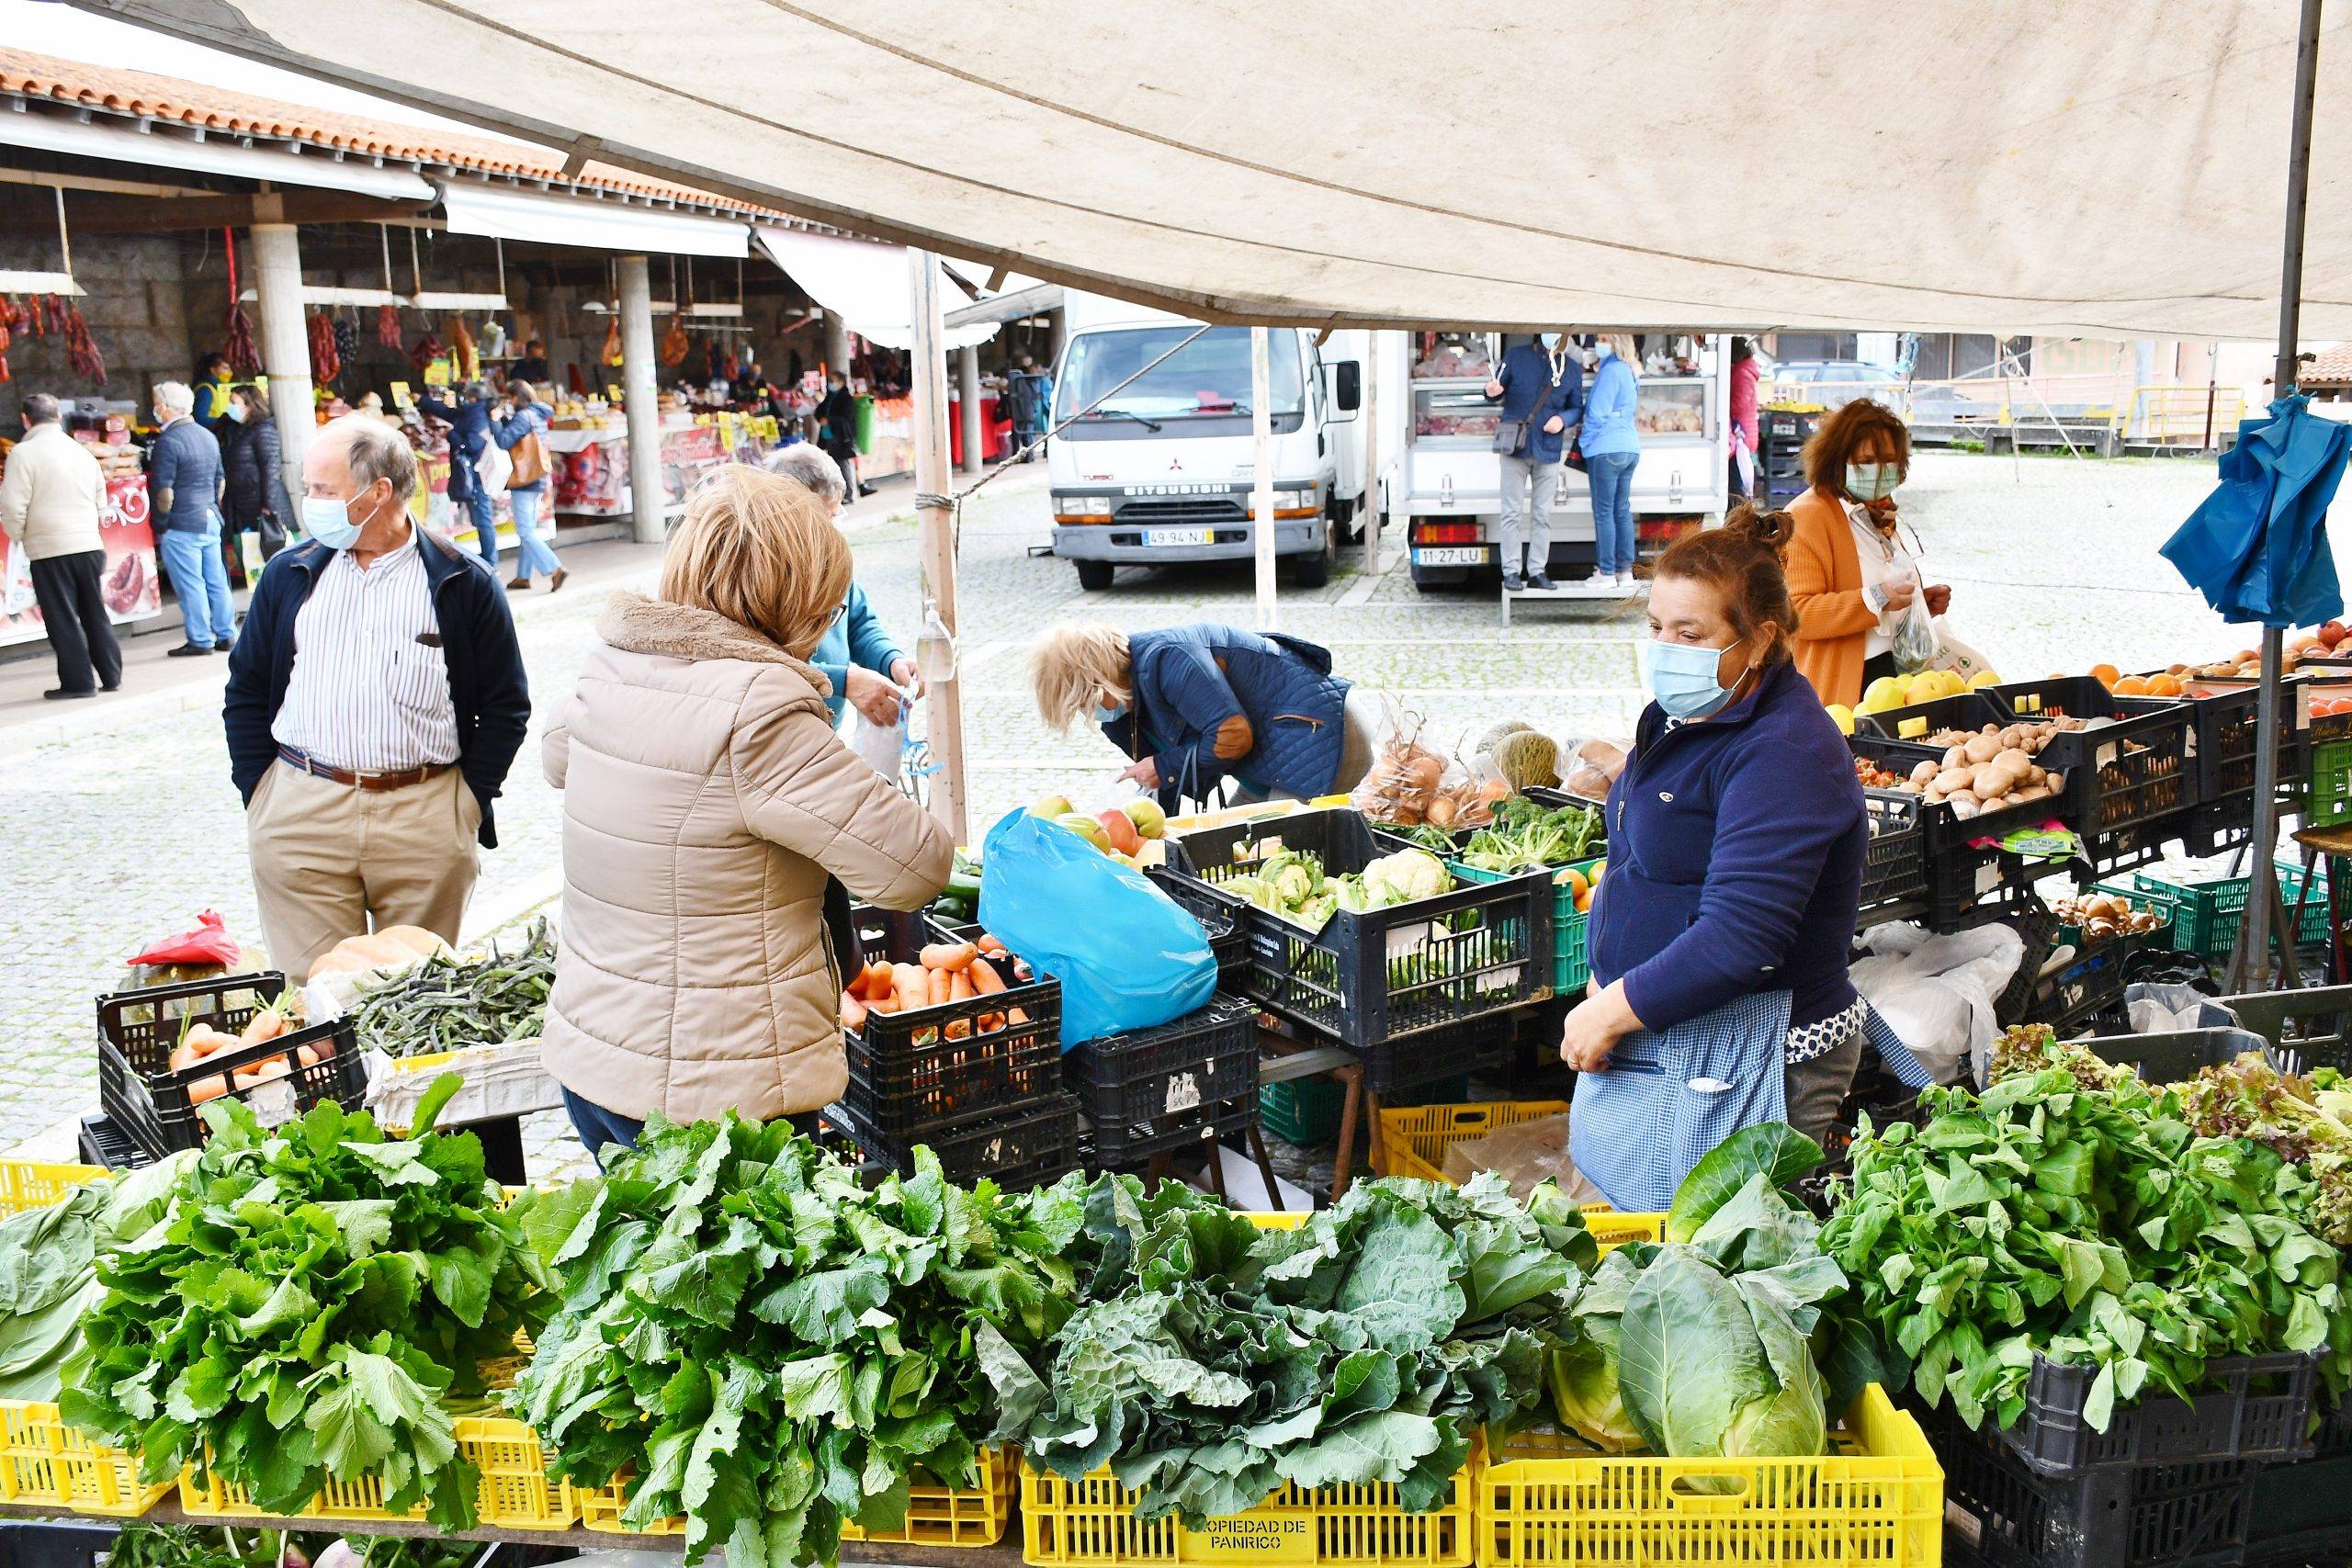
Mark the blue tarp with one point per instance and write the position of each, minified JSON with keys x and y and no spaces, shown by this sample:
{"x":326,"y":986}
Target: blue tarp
{"x":2257,"y":548}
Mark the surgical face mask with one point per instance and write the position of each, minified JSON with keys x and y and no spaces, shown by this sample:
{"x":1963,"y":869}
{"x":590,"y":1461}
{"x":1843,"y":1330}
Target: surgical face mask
{"x":328,"y":520}
{"x":237,"y":412}
{"x":1109,"y":713}
{"x":1682,"y":678}
{"x":1872,"y":481}
{"x":1552,"y":340}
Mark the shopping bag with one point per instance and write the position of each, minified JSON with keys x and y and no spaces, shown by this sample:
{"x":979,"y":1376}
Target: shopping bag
{"x":1955,"y":655}
{"x":1125,"y":955}
{"x":1914,"y":637}
{"x":495,"y":467}
{"x":207,"y":942}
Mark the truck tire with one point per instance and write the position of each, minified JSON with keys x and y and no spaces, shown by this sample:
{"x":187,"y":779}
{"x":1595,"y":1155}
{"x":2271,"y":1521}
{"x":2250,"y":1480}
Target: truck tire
{"x":1314,"y":571}
{"x":1094,"y":575}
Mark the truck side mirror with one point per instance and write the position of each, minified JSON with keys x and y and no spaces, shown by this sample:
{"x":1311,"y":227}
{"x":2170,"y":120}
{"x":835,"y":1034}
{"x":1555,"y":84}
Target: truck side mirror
{"x":1347,"y":385}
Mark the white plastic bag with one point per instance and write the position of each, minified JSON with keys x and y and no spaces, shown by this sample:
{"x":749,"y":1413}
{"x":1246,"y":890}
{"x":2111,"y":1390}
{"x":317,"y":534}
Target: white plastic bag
{"x":1914,"y":637}
{"x":882,"y":745}
{"x":1937,"y":992}
{"x":1955,"y":655}
{"x":494,"y":467}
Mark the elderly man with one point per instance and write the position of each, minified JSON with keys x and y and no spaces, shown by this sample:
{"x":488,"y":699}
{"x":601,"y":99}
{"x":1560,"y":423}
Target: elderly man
{"x":49,"y":503}
{"x":185,"y":481}
{"x":375,"y":704}
{"x":866,"y":668}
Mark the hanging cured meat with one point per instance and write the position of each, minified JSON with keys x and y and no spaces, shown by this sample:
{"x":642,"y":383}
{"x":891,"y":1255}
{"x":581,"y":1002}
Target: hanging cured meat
{"x":7,"y":325}
{"x":425,"y":351}
{"x":674,"y":344}
{"x":325,"y":364}
{"x":388,"y":326}
{"x":80,"y":350}
{"x":463,"y":356}
{"x":243,"y":357}
{"x":612,"y":354}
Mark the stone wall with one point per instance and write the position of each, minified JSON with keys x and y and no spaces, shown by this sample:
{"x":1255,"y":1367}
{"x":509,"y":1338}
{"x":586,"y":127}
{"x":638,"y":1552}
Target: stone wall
{"x":138,"y":309}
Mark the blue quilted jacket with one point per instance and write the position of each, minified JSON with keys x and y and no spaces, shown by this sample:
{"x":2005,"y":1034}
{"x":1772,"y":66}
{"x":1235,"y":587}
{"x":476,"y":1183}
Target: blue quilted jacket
{"x":1190,"y":680}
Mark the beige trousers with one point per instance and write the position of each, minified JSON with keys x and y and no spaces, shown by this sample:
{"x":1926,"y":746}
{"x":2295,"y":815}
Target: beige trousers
{"x":331,"y":861}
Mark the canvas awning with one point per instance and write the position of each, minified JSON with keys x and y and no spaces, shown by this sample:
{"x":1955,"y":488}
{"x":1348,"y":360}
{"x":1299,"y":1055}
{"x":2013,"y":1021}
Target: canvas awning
{"x":863,"y":283}
{"x":478,"y":209}
{"x":1966,"y":165}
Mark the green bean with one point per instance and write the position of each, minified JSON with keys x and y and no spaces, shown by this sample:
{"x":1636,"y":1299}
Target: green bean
{"x":446,"y":1003}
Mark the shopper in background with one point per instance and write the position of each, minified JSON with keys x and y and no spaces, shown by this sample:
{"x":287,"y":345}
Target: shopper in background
{"x":185,"y":482}
{"x":1720,"y":936}
{"x":253,"y":472}
{"x":1612,"y":447}
{"x":49,"y":503}
{"x":1851,"y":572}
{"x":1541,"y":385}
{"x":214,"y":380}
{"x":1196,"y":704}
{"x":469,"y":423}
{"x":532,"y":367}
{"x":1032,"y":391}
{"x":837,"y":427}
{"x":707,"y":805}
{"x":374,"y":706}
{"x":861,"y":662}
{"x":521,"y":429}
{"x":1744,"y":432}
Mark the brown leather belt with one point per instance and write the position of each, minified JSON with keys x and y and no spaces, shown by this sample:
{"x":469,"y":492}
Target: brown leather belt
{"x":400,"y":778}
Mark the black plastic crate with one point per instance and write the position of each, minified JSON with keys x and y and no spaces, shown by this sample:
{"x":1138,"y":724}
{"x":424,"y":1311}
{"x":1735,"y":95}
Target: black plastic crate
{"x":1013,"y":1149}
{"x":2186,"y":1516}
{"x":912,"y":1072}
{"x":1221,"y":918}
{"x":2225,"y":739}
{"x":158,"y":1107}
{"x":2177,"y":1055}
{"x":2304,"y":1029}
{"x":55,"y":1543}
{"x":1895,"y":873}
{"x":1968,"y":711}
{"x":1213,"y":1123}
{"x":2137,"y":844}
{"x":2090,"y":984}
{"x":1368,"y":978}
{"x":2039,"y":928}
{"x":102,"y":1142}
{"x":2260,"y":1409}
{"x":1147,"y":1085}
{"x":2132,"y":769}
{"x":1393,"y":1068}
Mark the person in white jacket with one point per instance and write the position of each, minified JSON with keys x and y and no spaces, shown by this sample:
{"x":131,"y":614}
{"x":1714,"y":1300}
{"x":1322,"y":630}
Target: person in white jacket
{"x":50,"y":503}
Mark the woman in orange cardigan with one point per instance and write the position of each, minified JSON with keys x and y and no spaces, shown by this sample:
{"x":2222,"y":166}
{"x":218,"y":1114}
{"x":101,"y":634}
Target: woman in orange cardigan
{"x":1849,"y":573}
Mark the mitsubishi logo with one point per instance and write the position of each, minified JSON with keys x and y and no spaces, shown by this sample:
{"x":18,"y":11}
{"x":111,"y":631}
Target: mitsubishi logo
{"x":1175,"y":465}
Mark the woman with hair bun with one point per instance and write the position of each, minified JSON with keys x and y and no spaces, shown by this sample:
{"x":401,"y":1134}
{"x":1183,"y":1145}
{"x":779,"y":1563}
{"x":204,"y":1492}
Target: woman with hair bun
{"x":1720,"y":932}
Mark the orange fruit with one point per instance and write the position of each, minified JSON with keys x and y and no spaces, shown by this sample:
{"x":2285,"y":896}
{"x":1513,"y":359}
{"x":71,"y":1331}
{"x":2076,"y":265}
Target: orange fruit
{"x":2164,"y":686}
{"x":2129,"y":686}
{"x":1573,"y":879}
{"x":2106,"y":676}
{"x":1584,"y":902}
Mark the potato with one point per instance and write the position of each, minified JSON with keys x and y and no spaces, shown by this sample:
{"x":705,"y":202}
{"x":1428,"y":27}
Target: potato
{"x":1925,"y":774}
{"x":1951,"y":781}
{"x":1965,"y":806}
{"x":1957,"y":757}
{"x":1984,"y":748}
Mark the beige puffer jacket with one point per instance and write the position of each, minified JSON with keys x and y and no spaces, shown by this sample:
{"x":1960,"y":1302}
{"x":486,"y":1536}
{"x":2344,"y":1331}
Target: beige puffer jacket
{"x":705,"y":798}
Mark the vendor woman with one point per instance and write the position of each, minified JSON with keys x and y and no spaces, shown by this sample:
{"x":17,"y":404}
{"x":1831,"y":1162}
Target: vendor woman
{"x":1720,"y":931}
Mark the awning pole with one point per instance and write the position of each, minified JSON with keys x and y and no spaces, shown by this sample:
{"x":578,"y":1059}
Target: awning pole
{"x":1261,"y":484}
{"x":1368,"y":509}
{"x":2262,"y":896}
{"x":935,"y":543}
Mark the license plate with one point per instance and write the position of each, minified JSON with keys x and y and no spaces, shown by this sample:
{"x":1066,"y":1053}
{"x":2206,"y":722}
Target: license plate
{"x":1167,"y":537}
{"x":1467,"y":554}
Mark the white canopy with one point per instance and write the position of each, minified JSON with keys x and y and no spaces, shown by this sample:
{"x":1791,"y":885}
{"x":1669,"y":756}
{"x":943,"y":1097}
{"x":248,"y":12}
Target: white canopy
{"x":2101,"y":166}
{"x":863,"y":283}
{"x":475,"y":207}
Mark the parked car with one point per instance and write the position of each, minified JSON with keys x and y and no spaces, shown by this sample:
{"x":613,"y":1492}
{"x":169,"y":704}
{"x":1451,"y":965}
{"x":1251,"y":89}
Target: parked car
{"x":1833,"y":383}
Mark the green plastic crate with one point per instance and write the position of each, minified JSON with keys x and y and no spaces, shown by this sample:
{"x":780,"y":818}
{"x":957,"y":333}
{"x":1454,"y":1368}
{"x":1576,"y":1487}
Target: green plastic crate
{"x":2331,"y":786}
{"x":2207,"y":912}
{"x":1302,"y":1110}
{"x":1570,"y":967}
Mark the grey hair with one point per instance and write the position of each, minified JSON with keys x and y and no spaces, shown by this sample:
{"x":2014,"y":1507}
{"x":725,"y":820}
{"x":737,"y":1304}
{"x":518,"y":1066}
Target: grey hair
{"x":174,"y":397}
{"x":41,"y":408}
{"x":375,"y":450}
{"x":813,"y":468}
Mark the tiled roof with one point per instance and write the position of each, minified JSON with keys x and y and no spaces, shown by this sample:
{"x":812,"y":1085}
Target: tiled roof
{"x":218,"y":109}
{"x":2332,"y":366}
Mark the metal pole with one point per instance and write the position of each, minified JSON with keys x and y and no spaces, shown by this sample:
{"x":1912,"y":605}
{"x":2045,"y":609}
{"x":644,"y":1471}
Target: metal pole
{"x":648,"y":497}
{"x":1261,"y":484}
{"x":935,"y":542}
{"x":1368,"y":510}
{"x":2263,"y":895}
{"x":968,"y":407}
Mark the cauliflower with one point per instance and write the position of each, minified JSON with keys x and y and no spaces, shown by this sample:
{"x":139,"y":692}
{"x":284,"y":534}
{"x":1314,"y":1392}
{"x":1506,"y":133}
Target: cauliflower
{"x":1404,"y":876}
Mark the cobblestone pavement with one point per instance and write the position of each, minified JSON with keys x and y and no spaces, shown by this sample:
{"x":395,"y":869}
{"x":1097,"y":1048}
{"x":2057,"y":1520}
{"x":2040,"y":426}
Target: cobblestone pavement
{"x":120,"y":835}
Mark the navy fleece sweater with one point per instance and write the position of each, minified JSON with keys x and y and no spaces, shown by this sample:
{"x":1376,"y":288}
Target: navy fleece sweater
{"x":1735,"y":851}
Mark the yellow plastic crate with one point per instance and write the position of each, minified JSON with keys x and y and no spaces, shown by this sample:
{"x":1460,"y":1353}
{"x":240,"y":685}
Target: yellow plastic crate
{"x":936,"y":1515}
{"x":517,"y":1491}
{"x":1612,"y":1229}
{"x":1878,"y":1500}
{"x":43,"y":1460}
{"x":1092,"y":1524}
{"x":32,"y":1184}
{"x":1413,"y":1140}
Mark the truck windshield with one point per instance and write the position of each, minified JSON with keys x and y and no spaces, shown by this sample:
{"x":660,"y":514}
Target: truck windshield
{"x":1207,"y":378}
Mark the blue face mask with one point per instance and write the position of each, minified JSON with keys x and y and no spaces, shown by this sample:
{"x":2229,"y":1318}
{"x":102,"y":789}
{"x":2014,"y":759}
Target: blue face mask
{"x":1552,"y":340}
{"x":1110,"y":714}
{"x":329,"y":521}
{"x":1871,"y":482}
{"x":1682,"y":679}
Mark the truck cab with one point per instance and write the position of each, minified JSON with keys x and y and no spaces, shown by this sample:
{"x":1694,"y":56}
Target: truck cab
{"x":1156,"y":463}
{"x":1448,"y":482}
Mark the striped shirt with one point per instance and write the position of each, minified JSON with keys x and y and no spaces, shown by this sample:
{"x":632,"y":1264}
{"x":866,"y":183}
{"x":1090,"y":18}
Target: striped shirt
{"x":369,"y":690}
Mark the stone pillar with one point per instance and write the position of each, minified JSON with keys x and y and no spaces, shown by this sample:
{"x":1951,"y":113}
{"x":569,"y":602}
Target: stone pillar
{"x":967,"y":393}
{"x":642,"y":402}
{"x":275,"y":260}
{"x":836,"y":343}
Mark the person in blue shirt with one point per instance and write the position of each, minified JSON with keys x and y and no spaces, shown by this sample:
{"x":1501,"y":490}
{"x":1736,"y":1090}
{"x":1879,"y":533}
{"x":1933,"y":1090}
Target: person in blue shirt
{"x":1612,"y":447}
{"x":527,"y":416}
{"x":468,"y":421}
{"x":1541,"y":384}
{"x":214,"y":380}
{"x":862,"y":662}
{"x":1721,"y":927}
{"x":184,"y":481}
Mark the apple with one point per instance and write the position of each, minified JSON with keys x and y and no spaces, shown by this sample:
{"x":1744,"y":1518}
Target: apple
{"x":2334,"y":633}
{"x":1122,"y":832}
{"x":1149,"y":820}
{"x":1086,"y":828}
{"x":1052,"y":807}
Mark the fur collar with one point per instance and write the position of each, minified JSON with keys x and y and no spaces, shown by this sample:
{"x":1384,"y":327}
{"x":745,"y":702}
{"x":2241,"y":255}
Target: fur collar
{"x":635,"y":624}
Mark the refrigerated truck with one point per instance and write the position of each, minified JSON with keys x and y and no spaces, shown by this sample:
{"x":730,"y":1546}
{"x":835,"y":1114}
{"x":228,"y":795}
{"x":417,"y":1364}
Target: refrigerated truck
{"x":1159,"y":470}
{"x":1447,"y":482}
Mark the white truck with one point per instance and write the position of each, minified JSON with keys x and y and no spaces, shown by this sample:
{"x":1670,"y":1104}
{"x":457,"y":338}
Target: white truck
{"x":1447,"y":482}
{"x":1158,"y":470}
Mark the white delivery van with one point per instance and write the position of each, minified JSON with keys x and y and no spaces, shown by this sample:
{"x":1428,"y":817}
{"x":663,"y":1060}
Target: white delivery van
{"x":1158,"y":470}
{"x":1448,"y":483}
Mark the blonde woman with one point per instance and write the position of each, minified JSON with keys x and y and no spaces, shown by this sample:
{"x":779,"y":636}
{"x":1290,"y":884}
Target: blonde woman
{"x":1197,"y":704}
{"x":708,"y":811}
{"x":1612,"y":447}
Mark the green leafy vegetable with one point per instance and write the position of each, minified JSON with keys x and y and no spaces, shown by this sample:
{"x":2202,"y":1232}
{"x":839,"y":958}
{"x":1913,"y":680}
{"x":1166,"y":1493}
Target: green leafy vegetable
{"x":49,"y":1270}
{"x":1529,"y":836}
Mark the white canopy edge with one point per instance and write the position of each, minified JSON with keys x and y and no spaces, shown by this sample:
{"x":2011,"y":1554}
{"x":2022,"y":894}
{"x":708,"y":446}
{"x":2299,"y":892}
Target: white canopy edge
{"x":2098,"y":167}
{"x":474,"y":208}
{"x":320,"y":171}
{"x":863,"y":283}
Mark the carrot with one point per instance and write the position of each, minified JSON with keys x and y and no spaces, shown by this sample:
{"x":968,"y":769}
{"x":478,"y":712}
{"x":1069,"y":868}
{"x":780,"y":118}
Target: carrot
{"x":856,"y":987}
{"x":948,"y":955}
{"x":1017,"y":1016}
{"x":311,"y":1056}
{"x":853,"y":1010}
{"x":206,"y":1089}
{"x":961,"y":987}
{"x":990,"y":946}
{"x":943,"y":985}
{"x":959,"y":1029}
{"x":267,"y":1024}
{"x":913,"y":982}
{"x":990,"y":1022}
{"x":877,"y":978}
{"x":986,"y":981}
{"x":882,"y":1004}
{"x":184,"y":1056}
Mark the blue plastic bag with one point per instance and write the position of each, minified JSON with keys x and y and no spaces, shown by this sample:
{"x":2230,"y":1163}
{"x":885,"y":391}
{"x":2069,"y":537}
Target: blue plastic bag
{"x":2258,"y":546}
{"x":1127,"y":956}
